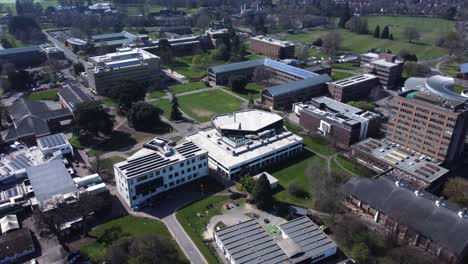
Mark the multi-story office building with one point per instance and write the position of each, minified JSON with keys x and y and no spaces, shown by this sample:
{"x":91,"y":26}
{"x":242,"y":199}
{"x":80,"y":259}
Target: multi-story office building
{"x":246,"y":142}
{"x":124,"y":65}
{"x":354,"y":88}
{"x":52,"y":52}
{"x":273,"y":48}
{"x":387,"y":67}
{"x":430,"y":124}
{"x":111,"y":41}
{"x":23,"y":57}
{"x":283,"y":96}
{"x":215,"y":34}
{"x":158,"y":167}
{"x":342,"y":123}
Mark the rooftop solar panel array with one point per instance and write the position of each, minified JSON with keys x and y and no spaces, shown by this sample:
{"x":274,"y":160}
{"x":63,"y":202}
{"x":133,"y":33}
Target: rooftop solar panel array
{"x":187,"y":149}
{"x":247,"y":242}
{"x":308,"y":236}
{"x":52,"y":140}
{"x":289,"y":69}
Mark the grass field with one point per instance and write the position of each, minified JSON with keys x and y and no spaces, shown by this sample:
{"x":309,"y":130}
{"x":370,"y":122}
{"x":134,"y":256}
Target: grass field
{"x":458,"y":88}
{"x":164,"y":105}
{"x":184,"y":66}
{"x":319,"y":145}
{"x":451,"y":68}
{"x":252,"y":90}
{"x":195,"y":225}
{"x":123,"y":228}
{"x":50,"y":94}
{"x":347,"y":66}
{"x":354,"y":167}
{"x":187,"y":87}
{"x":295,"y":170}
{"x":118,"y":140}
{"x":425,"y":48}
{"x":108,"y":164}
{"x":202,"y":106}
{"x":338,"y":75}
{"x":157,"y":94}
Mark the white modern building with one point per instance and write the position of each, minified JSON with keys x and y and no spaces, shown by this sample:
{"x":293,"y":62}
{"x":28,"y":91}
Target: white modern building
{"x":127,"y":64}
{"x":158,"y":167}
{"x":246,"y":142}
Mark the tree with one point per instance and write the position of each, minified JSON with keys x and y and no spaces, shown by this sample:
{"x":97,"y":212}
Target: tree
{"x":358,"y":25}
{"x":143,"y":116}
{"x":126,"y":93}
{"x":262,"y":193}
{"x":391,"y":37}
{"x":117,"y":253}
{"x":385,"y":33}
{"x":78,"y":68}
{"x":297,"y":190}
{"x":411,"y":34}
{"x":345,"y":16}
{"x":237,"y":83}
{"x":450,"y":13}
{"x":453,"y":41}
{"x":25,"y":29}
{"x":318,"y":42}
{"x":175,"y":111}
{"x":165,"y":51}
{"x":91,"y":119}
{"x":456,"y":190}
{"x":377,"y":32}
{"x":247,"y":183}
{"x":304,"y":55}
{"x":331,"y":43}
{"x":360,"y":252}
{"x":414,"y":69}
{"x":153,"y":249}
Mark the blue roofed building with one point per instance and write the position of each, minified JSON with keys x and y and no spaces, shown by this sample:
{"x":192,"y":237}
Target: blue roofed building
{"x":464,"y":70}
{"x":299,"y":84}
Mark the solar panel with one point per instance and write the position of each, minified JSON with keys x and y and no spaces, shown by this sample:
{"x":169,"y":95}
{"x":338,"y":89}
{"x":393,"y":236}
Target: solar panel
{"x":289,"y":69}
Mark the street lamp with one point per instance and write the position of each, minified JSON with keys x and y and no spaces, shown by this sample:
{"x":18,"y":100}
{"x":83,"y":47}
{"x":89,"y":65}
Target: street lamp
{"x":201,"y":187}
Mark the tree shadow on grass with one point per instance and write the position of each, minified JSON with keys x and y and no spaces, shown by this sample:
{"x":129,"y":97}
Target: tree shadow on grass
{"x":116,"y":141}
{"x":160,"y":128}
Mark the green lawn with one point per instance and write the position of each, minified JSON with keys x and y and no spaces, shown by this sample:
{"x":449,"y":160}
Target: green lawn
{"x":252,"y":90}
{"x":202,"y":106}
{"x":347,"y":66}
{"x":108,"y":164}
{"x":458,"y":88}
{"x":122,"y":228}
{"x":195,"y":226}
{"x":164,"y":105}
{"x":425,"y":48}
{"x":184,"y":66}
{"x":451,"y":68}
{"x":50,"y":94}
{"x":296,"y":170}
{"x":337,"y":75}
{"x":157,"y":94}
{"x":118,"y":140}
{"x":319,"y":144}
{"x":187,"y":87}
{"x":354,"y":167}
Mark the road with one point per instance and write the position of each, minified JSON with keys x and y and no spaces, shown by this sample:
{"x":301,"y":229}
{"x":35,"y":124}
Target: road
{"x":68,"y":53}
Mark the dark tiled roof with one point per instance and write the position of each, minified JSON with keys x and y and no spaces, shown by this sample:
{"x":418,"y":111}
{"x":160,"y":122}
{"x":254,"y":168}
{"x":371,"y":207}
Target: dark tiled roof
{"x":298,"y":85}
{"x":73,"y":96}
{"x":19,"y":50}
{"x":30,"y":118}
{"x":15,"y":242}
{"x":419,"y":212}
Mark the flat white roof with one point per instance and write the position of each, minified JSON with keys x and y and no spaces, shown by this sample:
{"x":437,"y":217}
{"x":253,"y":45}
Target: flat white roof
{"x":273,"y":41}
{"x":250,"y":120}
{"x":210,"y":140}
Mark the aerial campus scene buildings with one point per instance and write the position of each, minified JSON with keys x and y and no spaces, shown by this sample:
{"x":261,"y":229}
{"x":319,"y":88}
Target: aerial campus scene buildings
{"x":233,"y":132}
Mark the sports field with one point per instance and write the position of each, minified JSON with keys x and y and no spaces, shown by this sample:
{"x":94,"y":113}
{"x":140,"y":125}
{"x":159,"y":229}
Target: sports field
{"x":424,"y":48}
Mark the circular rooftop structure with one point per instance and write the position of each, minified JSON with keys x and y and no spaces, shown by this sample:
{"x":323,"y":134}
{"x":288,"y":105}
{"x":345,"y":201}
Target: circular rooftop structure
{"x":437,"y":84}
{"x":247,"y":122}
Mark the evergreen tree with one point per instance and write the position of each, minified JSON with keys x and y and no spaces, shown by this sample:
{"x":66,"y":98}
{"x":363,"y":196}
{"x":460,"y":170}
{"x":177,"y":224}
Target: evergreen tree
{"x":391,"y":37}
{"x":385,"y":33}
{"x":175,"y":112}
{"x":262,"y":193}
{"x":345,"y":16}
{"x":377,"y":32}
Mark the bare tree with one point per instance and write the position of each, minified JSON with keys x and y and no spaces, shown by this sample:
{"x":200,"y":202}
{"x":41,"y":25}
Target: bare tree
{"x":331,"y":43}
{"x":411,"y":34}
